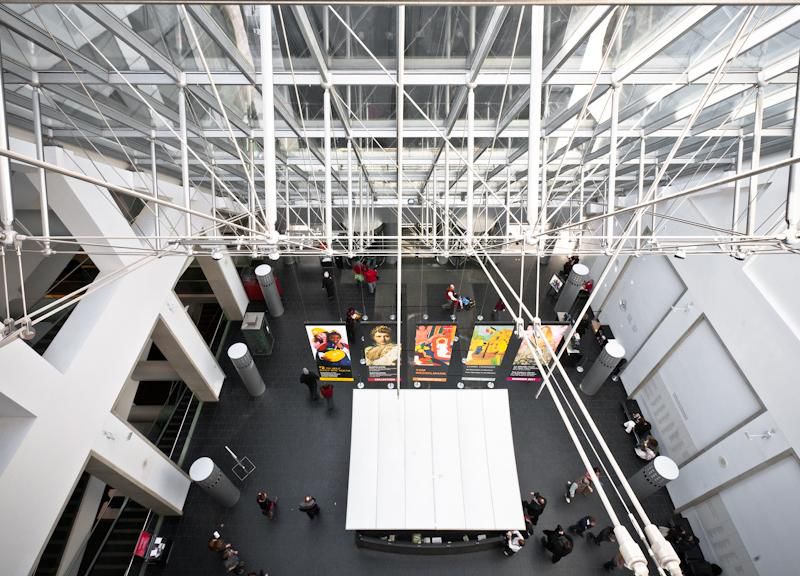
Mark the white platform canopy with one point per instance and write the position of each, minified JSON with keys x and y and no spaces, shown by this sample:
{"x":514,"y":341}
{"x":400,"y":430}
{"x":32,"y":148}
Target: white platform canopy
{"x":432,"y":460}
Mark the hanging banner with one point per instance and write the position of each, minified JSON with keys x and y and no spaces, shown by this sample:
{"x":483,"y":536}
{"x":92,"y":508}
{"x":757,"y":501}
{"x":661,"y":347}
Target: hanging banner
{"x":331,"y":351}
{"x":433,"y":348}
{"x":486,"y":351}
{"x":524,"y":368}
{"x":381,"y":351}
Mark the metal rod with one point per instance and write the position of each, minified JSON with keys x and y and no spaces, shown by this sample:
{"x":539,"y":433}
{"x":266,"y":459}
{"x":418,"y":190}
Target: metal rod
{"x":349,"y":196}
{"x":737,"y":187}
{"x":612,"y":164}
{"x":287,"y":209}
{"x":535,"y":115}
{"x":435,"y":231}
{"x":581,"y":187}
{"x":793,"y":194}
{"x":446,"y":189}
{"x":470,"y":161}
{"x":187,"y":198}
{"x":326,"y":106}
{"x":37,"y":132}
{"x":154,"y":182}
{"x":6,"y":200}
{"x":640,"y":191}
{"x":401,"y":46}
{"x":268,"y":122}
{"x":755,"y":159}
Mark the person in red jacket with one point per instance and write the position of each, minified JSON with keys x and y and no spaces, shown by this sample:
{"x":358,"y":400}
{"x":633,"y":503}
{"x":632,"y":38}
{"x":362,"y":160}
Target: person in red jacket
{"x":326,"y":391}
{"x":371,"y":278}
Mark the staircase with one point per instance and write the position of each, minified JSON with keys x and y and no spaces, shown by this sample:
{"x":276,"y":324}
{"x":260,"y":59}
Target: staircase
{"x":51,"y":557}
{"x":110,"y":549}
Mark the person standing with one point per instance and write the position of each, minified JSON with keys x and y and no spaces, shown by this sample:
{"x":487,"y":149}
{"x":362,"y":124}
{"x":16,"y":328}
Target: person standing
{"x":513,"y":542}
{"x":605,"y":535}
{"x":326,"y":391}
{"x":371,"y":278}
{"x":557,"y":542}
{"x":616,"y":562}
{"x":309,"y":506}
{"x":534,"y":507}
{"x":581,"y":486}
{"x":351,"y":320}
{"x":266,"y":504}
{"x":499,"y":306}
{"x":310,"y":380}
{"x":583,"y":525}
{"x":328,"y":285}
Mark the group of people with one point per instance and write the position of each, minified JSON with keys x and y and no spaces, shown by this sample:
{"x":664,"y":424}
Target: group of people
{"x":230,"y":557}
{"x":456,"y":301}
{"x":315,"y":392}
{"x":558,"y":541}
{"x":646,"y":448}
{"x":365,"y":274}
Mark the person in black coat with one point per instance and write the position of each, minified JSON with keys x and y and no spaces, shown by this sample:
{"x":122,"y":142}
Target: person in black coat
{"x":310,"y":380}
{"x":605,"y":535}
{"x":328,"y":285}
{"x":534,"y":507}
{"x":557,"y":542}
{"x":582,"y":525}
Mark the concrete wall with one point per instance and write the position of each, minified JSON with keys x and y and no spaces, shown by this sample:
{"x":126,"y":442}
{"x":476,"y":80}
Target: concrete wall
{"x":712,"y":344}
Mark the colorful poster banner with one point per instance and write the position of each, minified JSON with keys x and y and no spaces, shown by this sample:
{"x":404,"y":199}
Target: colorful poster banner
{"x":381,"y":351}
{"x":486,"y":351}
{"x":524,"y":368}
{"x":433,"y":348}
{"x":331,"y":351}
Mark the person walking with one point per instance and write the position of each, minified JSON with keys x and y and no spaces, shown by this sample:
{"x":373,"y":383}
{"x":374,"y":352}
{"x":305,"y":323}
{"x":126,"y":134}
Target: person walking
{"x":326,"y":391}
{"x":358,"y":272}
{"x":605,"y":535}
{"x":351,"y":319}
{"x":371,"y":278}
{"x":616,"y":562}
{"x":499,"y":306}
{"x":328,"y":285}
{"x":309,"y":506}
{"x":266,"y":504}
{"x":310,"y":380}
{"x":557,"y":542}
{"x":534,"y":507}
{"x":581,"y":486}
{"x":513,"y":542}
{"x":583,"y":525}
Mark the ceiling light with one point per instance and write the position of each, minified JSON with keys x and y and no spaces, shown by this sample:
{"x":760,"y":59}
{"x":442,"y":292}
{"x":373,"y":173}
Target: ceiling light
{"x":680,"y":254}
{"x":216,"y":254}
{"x":739,"y":254}
{"x":274,"y":255}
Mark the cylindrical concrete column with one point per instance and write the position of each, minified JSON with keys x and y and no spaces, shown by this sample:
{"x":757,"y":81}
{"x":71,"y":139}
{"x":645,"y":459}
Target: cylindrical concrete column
{"x":570,"y":289}
{"x":656,"y":474}
{"x":266,"y":279}
{"x":243,"y":362}
{"x":603,"y":365}
{"x":206,"y":474}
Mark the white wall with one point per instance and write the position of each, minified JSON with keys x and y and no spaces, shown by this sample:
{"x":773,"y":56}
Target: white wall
{"x":719,"y":365}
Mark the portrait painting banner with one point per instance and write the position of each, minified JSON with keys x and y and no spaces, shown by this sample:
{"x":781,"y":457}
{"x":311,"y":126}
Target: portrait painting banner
{"x":487,"y":348}
{"x":524,"y":368}
{"x":433,"y":348}
{"x":380,"y":350}
{"x":331,"y":351}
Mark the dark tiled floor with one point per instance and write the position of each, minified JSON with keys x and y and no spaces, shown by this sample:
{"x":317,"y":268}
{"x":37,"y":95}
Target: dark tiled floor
{"x":300,"y":449}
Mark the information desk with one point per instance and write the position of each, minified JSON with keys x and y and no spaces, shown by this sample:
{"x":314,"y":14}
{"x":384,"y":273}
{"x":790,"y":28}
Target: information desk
{"x":432,"y":460}
{"x":446,"y":544}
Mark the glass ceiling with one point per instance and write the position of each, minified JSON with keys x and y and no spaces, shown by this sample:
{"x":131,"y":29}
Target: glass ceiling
{"x":105,"y":69}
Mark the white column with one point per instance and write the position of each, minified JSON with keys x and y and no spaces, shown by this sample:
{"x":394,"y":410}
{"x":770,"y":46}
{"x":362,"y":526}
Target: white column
{"x":446,"y":197}
{"x":640,"y":192}
{"x":154,"y":184}
{"x":187,"y":195}
{"x":268,"y":119}
{"x":224,"y":280}
{"x":612,"y":164}
{"x":182,"y":344}
{"x":793,"y":196}
{"x":755,"y":160}
{"x":401,"y":48}
{"x":326,"y":107}
{"x":6,"y":202}
{"x":470,"y":161}
{"x":737,"y":186}
{"x":37,"y":132}
{"x":535,"y":114}
{"x":349,"y":197}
